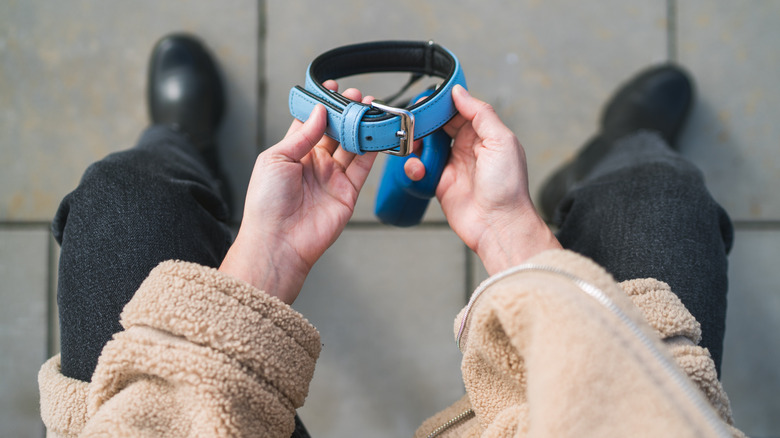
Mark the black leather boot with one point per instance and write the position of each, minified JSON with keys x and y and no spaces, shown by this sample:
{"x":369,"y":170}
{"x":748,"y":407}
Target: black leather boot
{"x":657,"y":99}
{"x":184,"y":89}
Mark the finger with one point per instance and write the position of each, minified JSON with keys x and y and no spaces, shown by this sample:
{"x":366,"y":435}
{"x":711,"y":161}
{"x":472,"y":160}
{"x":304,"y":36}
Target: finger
{"x":414,"y":169}
{"x":417,"y":147}
{"x":296,"y":145}
{"x":454,"y":125}
{"x":294,"y":126}
{"x":359,"y":168}
{"x":340,"y":155}
{"x":482,"y":116}
{"x":343,"y":157}
{"x":331,"y":85}
{"x":332,"y":145}
{"x":353,"y":94}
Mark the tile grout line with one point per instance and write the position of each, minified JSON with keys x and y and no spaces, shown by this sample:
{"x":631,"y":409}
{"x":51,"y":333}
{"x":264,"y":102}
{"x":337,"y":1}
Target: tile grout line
{"x":742,"y":224}
{"x":23,"y":225}
{"x":671,"y":30}
{"x":756,"y":225}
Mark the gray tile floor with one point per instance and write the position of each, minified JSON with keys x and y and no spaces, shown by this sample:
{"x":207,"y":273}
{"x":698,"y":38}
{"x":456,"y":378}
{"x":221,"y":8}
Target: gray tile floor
{"x":71,"y":91}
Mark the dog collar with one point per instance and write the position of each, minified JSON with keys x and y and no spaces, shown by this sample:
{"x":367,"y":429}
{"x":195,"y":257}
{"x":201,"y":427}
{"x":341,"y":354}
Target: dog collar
{"x":364,"y":128}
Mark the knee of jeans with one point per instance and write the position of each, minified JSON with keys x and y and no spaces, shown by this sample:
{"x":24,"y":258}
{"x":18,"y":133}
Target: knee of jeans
{"x":147,"y":204}
{"x":97,"y":191}
{"x":139,"y":179}
{"x":661,"y":188}
{"x":116,"y":179}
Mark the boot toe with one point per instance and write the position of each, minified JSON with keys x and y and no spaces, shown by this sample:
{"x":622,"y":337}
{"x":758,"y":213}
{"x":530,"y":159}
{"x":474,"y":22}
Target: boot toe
{"x":658,"y":99}
{"x":184,"y":88}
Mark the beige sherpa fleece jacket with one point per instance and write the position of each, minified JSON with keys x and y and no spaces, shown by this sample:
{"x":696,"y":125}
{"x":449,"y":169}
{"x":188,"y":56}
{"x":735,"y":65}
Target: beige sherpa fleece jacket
{"x":203,"y":354}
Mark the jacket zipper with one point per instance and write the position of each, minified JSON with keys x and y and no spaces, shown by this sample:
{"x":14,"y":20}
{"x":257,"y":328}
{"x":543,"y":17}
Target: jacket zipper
{"x":463,"y":416}
{"x":681,"y":380}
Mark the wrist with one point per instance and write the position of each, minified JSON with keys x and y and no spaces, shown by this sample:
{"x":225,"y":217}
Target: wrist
{"x":513,"y":241}
{"x":267,"y":266}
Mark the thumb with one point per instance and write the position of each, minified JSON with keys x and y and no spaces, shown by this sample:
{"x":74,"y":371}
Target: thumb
{"x":482,"y":116}
{"x":303,"y":138}
{"x":414,"y":169}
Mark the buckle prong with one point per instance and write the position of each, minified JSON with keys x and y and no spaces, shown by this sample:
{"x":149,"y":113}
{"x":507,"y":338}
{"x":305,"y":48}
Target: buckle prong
{"x":405,"y":134}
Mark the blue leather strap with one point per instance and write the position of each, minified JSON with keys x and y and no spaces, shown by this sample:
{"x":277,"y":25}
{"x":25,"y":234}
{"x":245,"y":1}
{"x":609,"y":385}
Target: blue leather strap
{"x":360,"y":128}
{"x":350,"y":127}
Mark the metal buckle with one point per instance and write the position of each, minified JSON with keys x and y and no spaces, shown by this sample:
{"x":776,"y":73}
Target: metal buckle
{"x":406,"y":133}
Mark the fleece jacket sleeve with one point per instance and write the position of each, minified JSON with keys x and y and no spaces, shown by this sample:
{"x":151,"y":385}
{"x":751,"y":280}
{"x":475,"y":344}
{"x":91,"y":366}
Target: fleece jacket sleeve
{"x":543,"y":358}
{"x":202,"y":354}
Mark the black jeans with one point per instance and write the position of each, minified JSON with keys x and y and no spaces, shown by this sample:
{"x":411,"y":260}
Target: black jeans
{"x":131,"y":211}
{"x":644,"y":212}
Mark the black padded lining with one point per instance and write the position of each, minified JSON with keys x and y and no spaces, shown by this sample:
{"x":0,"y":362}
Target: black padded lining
{"x":383,"y":56}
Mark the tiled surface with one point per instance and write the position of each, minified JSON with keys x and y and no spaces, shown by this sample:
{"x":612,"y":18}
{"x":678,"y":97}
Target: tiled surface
{"x":545,"y":66}
{"x":384,"y":301}
{"x":23,"y":336}
{"x":72,"y":81}
{"x":731,"y":49}
{"x":71,"y":90}
{"x":751,"y":371}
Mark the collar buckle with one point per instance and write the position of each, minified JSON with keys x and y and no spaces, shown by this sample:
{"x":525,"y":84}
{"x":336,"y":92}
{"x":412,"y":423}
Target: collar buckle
{"x":405,"y":134}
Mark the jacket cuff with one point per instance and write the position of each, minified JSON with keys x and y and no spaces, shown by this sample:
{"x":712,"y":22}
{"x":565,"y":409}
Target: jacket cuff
{"x":212,"y":309}
{"x":63,"y":400}
{"x":662,"y":309}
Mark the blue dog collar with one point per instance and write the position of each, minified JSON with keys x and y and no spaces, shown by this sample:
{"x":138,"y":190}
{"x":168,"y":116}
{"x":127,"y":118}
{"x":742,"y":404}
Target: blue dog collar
{"x":364,"y":128}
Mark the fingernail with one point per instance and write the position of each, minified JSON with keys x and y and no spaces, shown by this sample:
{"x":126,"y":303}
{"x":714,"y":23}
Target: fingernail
{"x":460,"y":90}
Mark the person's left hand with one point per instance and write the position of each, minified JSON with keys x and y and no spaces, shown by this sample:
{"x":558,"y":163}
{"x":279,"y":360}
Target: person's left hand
{"x":483,"y":189}
{"x":302,"y":192}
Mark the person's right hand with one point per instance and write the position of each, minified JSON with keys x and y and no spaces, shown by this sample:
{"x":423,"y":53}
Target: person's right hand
{"x":484,"y":188}
{"x":301,"y":194}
